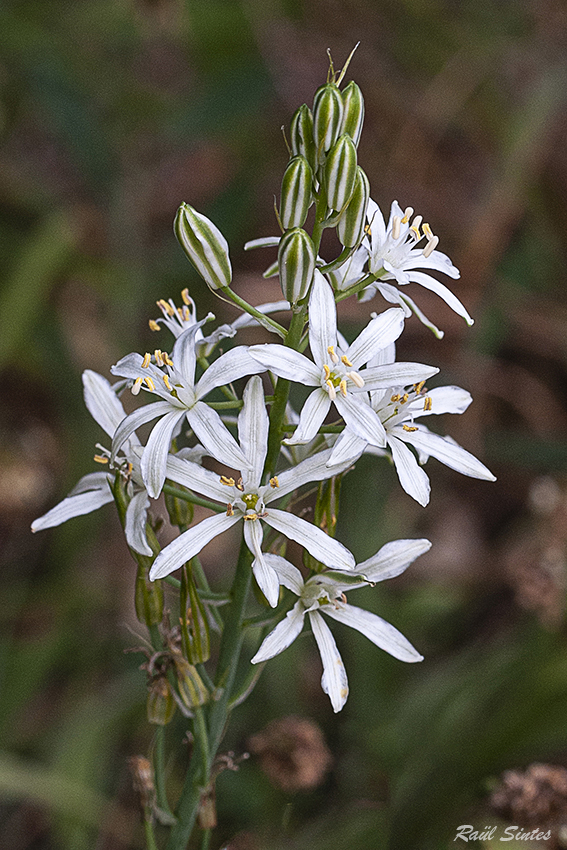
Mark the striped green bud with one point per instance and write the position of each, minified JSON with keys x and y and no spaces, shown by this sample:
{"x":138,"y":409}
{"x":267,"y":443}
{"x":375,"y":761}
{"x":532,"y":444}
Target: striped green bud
{"x":353,"y":114}
{"x":301,"y":133}
{"x":148,"y":598}
{"x":160,"y":705}
{"x":350,"y":228}
{"x":327,"y":118}
{"x":204,"y":245}
{"x":296,"y":261}
{"x":340,"y":173}
{"x":191,"y":688}
{"x":296,"y":195}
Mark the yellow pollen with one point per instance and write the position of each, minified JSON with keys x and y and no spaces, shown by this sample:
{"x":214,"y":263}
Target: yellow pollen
{"x":153,"y":325}
{"x":165,"y":307}
{"x":186,"y":315}
{"x":229,"y":482}
{"x":395,"y":397}
{"x":327,"y":372}
{"x":274,"y":482}
{"x":356,"y":379}
{"x":409,"y":427}
{"x":167,"y":384}
{"x":136,"y":386}
{"x":332,"y":390}
{"x":418,"y":387}
{"x":149,"y":383}
{"x":428,"y":403}
{"x":240,"y":485}
{"x":100,"y":459}
{"x":342,"y":387}
{"x":404,"y":398}
{"x":185,"y":296}
{"x":427,"y":230}
{"x":167,"y":359}
{"x":367,"y":230}
{"x":158,"y":356}
{"x":147,"y":360}
{"x":346,"y":361}
{"x":251,"y":516}
{"x":396,"y":227}
{"x":333,"y":355}
{"x":415,"y":230}
{"x":229,"y":510}
{"x":407,"y":215}
{"x":130,"y":468}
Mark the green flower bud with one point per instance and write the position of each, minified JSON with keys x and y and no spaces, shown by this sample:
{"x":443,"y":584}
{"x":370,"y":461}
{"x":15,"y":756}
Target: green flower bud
{"x":204,"y":245}
{"x":296,"y":261}
{"x":180,"y":512}
{"x":353,"y":115}
{"x":160,"y":705}
{"x":191,"y":688}
{"x":195,"y":636}
{"x":296,"y":195}
{"x":301,"y":133}
{"x":327,"y":117}
{"x":148,"y":599}
{"x":350,"y":228}
{"x":340,"y":173}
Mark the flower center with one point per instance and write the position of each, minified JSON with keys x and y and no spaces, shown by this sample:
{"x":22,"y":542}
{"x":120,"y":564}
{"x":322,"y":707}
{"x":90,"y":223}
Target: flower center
{"x":336,"y":378}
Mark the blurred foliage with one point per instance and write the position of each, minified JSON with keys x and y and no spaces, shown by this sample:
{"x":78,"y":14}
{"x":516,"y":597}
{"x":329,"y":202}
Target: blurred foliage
{"x":111,"y":114}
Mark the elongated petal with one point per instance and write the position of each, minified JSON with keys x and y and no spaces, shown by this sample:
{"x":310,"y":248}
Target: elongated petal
{"x":282,"y":636}
{"x":311,"y":417}
{"x":215,"y":437}
{"x":377,"y":224}
{"x":437,"y":261}
{"x":135,"y":525}
{"x":286,"y":363}
{"x":288,"y":575}
{"x":102,"y":402}
{"x":327,"y":550}
{"x":392,"y":559}
{"x":378,"y":334}
{"x":247,"y":321}
{"x":253,"y":430}
{"x":443,"y":292}
{"x":347,"y":449}
{"x":322,"y":319}
{"x":189,"y":544}
{"x":81,"y":503}
{"x":137,"y":419}
{"x":361,"y":419}
{"x":235,"y":364}
{"x":183,"y":354}
{"x":412,"y":477}
{"x":380,"y":632}
{"x":396,"y":375}
{"x":334,"y":680}
{"x":315,"y":468}
{"x":155,"y":454}
{"x":443,"y":400}
{"x":262,"y":242}
{"x":448,"y":452}
{"x":196,"y":478}
{"x":264,"y":574}
{"x":387,"y":291}
{"x":91,"y":481}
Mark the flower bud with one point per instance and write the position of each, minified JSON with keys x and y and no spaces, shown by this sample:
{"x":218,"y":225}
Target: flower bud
{"x":296,"y":195}
{"x":180,"y":512}
{"x":353,"y":114}
{"x":301,"y":135}
{"x":204,"y":245}
{"x":327,"y":117}
{"x":340,"y":173}
{"x":350,"y":228}
{"x":195,"y":637}
{"x":191,"y":688}
{"x":148,"y":599}
{"x":160,"y":705}
{"x":296,"y":261}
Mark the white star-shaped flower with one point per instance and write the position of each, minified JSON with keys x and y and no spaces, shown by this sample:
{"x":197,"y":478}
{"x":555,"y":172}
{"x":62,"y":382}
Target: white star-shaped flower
{"x":324,"y":593}
{"x":247,"y":500}
{"x":337,"y":373}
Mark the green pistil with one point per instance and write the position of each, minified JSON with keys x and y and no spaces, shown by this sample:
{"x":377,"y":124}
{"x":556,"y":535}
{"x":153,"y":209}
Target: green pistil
{"x":250,"y":500}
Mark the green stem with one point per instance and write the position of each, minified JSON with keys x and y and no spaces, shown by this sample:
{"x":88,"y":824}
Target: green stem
{"x":150,"y":837}
{"x":159,"y":770}
{"x":195,"y":500}
{"x":206,"y":839}
{"x":358,"y":287}
{"x":252,"y":311}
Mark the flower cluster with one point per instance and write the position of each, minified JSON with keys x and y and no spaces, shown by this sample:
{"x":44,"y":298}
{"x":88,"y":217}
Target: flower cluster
{"x":375,"y":403}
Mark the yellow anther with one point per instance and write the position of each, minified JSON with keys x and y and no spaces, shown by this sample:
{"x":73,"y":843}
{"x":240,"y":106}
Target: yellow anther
{"x":167,"y":384}
{"x":274,"y":482}
{"x":185,"y":296}
{"x":332,"y":390}
{"x":427,"y":230}
{"x":407,"y":215}
{"x":251,"y":516}
{"x":158,"y":356}
{"x":165,"y":307}
{"x":228,"y":482}
{"x":428,"y":403}
{"x":100,"y":459}
{"x":147,"y":360}
{"x":153,"y":325}
{"x":367,"y":230}
{"x":431,"y":246}
{"x":130,"y":468}
{"x":229,"y":510}
{"x":167,"y":359}
{"x":417,"y":221}
{"x":186,"y":314}
{"x":137,"y":386}
{"x":415,"y":231}
{"x":396,"y":226}
{"x":240,"y":485}
{"x":149,"y":383}
{"x":409,"y":427}
{"x":333,"y":355}
{"x":404,"y":398}
{"x":356,"y":379}
{"x":342,"y":387}
{"x":346,"y":361}
{"x":418,"y":387}
{"x":395,"y":397}
{"x":327,"y":372}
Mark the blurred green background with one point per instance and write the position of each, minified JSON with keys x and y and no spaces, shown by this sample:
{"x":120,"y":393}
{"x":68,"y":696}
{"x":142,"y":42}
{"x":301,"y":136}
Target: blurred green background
{"x":112,"y":112}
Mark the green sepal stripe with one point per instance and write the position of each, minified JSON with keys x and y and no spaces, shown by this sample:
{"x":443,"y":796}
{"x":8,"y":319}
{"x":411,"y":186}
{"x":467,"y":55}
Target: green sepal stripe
{"x":296,"y":260}
{"x":301,"y":135}
{"x":296,"y":196}
{"x":205,"y":246}
{"x":350,"y":228}
{"x":340,"y":173}
{"x":327,"y":118}
{"x":353,"y":114}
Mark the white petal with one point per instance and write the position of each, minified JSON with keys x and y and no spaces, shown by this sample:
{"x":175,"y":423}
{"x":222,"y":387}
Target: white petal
{"x":253,"y":430}
{"x":288,"y":575}
{"x":102,"y":402}
{"x":443,"y":400}
{"x":195,"y":477}
{"x":286,"y":363}
{"x":437,"y":260}
{"x":386,"y":291}
{"x":376,"y":222}
{"x":327,"y":550}
{"x":155,"y":454}
{"x":392,"y":559}
{"x":380,"y":632}
{"x":311,"y":418}
{"x":379,"y":333}
{"x":215,"y":437}
{"x":91,"y":481}
{"x":248,"y":321}
{"x":135,"y":525}
{"x":392,"y":295}
{"x":440,"y":289}
{"x":189,"y":544}
{"x":137,"y":419}
{"x":264,"y":574}
{"x":412,"y":477}
{"x":322,"y":319}
{"x":76,"y":505}
{"x":131,"y":367}
{"x":347,"y":449}
{"x":282,"y":636}
{"x":235,"y":364}
{"x":315,"y":468}
{"x":334,"y":680}
{"x":396,"y":375}
{"x":183,"y":354}
{"x":448,"y":452}
{"x":263,"y":242}
{"x":361,"y":419}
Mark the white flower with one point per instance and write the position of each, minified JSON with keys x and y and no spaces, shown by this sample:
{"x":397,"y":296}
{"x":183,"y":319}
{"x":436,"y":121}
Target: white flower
{"x":336,"y":372}
{"x":173,"y":379}
{"x":398,"y":409}
{"x":325,"y":593}
{"x":247,"y":500}
{"x":93,"y":490}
